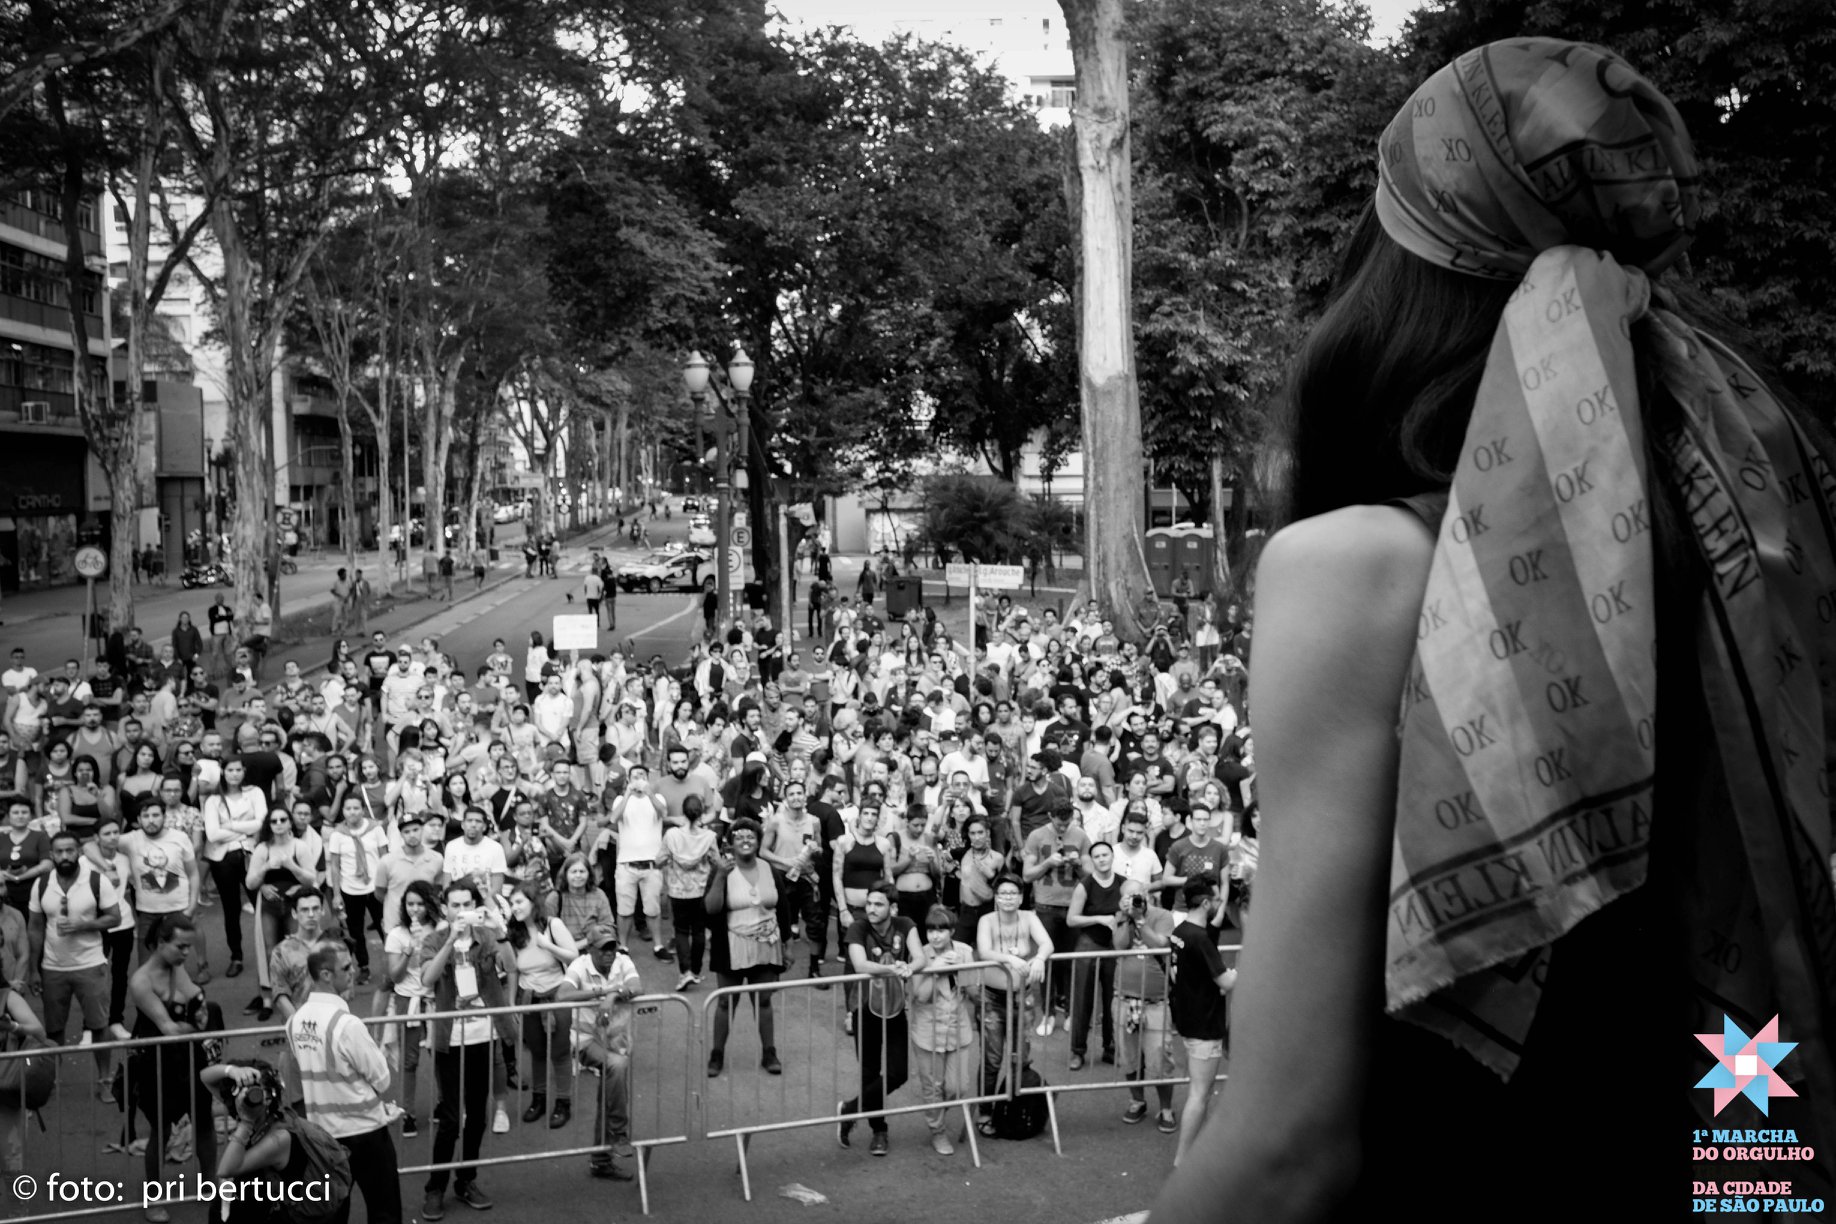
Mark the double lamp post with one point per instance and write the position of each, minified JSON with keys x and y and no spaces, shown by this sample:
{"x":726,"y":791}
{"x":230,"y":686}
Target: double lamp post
{"x":729,"y":421}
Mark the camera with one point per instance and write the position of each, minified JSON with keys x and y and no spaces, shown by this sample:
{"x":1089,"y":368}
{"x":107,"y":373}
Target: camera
{"x":252,"y":1094}
{"x":1136,"y":903}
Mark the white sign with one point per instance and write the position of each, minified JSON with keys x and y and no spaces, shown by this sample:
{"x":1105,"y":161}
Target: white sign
{"x":742,"y":537}
{"x":576,"y":632}
{"x":91,"y":562}
{"x":736,"y":561}
{"x":991,"y":577}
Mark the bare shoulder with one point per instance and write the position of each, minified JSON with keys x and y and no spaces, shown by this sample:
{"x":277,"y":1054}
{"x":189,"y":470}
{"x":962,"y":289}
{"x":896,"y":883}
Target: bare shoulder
{"x":1338,"y":595}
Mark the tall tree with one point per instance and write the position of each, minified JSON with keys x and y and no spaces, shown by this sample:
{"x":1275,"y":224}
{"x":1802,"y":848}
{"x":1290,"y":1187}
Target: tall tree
{"x":278,"y":112}
{"x":1115,"y":562}
{"x":1254,"y":121}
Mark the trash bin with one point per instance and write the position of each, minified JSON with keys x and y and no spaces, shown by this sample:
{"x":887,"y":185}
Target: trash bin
{"x":903,"y":593}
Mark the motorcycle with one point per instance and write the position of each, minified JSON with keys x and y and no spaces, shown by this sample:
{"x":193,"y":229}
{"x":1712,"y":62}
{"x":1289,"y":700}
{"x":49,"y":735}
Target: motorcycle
{"x":213,"y":574}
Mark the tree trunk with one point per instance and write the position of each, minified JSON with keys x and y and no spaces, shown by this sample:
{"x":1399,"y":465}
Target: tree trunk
{"x":1115,"y":566}
{"x":347,"y":485}
{"x":251,"y":365}
{"x":440,"y":381}
{"x":1220,"y":533}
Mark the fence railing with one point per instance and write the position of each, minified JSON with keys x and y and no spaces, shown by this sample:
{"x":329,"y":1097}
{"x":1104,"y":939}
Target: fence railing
{"x":111,"y":1095}
{"x":882,"y":1063}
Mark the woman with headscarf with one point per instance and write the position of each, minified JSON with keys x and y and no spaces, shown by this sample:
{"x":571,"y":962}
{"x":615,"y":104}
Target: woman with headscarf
{"x":1530,"y":496}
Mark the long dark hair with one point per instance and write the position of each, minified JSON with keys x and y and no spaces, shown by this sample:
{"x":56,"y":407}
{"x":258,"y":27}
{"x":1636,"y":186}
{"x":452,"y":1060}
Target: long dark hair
{"x":1380,"y":393}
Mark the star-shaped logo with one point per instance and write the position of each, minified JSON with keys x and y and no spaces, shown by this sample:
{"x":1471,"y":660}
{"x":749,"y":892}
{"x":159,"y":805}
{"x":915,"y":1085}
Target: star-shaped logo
{"x":1746,"y":1066}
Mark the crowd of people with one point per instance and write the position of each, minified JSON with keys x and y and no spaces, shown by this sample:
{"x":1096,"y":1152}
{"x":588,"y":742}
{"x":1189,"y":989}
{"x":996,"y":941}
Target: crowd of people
{"x":507,"y":834}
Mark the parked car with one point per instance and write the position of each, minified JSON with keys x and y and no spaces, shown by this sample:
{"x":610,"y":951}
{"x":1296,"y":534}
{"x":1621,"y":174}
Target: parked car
{"x":701,"y":531}
{"x":688,"y":570}
{"x":691,"y":504}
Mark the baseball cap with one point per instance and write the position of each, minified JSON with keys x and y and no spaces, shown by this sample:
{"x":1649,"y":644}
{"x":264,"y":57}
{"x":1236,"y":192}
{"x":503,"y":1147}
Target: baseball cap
{"x":599,"y":935}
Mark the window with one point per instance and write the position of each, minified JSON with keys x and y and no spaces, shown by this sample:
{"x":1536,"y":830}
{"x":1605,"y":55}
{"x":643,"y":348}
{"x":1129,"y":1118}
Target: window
{"x":1062,"y":97}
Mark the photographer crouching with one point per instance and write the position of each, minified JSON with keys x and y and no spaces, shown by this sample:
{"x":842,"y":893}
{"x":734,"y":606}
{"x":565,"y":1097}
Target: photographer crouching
{"x":277,"y":1167}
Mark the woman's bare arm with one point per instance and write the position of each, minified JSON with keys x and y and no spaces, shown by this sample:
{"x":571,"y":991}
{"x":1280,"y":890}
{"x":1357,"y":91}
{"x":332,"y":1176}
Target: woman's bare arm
{"x":1337,"y":602}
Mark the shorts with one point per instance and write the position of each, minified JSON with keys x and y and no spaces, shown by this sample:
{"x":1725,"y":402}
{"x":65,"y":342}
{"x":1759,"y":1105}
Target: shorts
{"x":1142,"y":1029}
{"x":629,"y":882}
{"x":1203,"y":1047}
{"x":90,"y":989}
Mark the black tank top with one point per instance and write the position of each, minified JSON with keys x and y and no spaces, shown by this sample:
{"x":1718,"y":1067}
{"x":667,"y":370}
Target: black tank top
{"x":1100,"y":901}
{"x":863,"y":865}
{"x":1438,"y":1151}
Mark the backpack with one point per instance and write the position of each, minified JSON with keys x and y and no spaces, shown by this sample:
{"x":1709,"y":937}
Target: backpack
{"x":25,"y":1083}
{"x":1021,"y":1117}
{"x":326,"y":1159}
{"x":95,"y":888}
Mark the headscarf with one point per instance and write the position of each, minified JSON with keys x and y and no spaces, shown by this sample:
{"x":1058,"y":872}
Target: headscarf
{"x":1529,"y":721}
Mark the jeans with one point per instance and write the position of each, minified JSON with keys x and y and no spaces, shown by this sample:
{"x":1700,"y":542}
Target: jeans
{"x":545,"y":1037}
{"x":804,"y":899}
{"x":1080,"y":1003}
{"x":467,"y":1068}
{"x":943,"y":1075}
{"x":689,"y":917}
{"x":1058,"y":980}
{"x":360,"y":910}
{"x":612,"y":1120}
{"x":884,"y":1050}
{"x":373,"y":1171}
{"x":228,"y":876}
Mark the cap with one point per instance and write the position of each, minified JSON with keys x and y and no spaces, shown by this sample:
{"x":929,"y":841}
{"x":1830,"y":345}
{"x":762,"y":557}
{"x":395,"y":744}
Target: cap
{"x":599,"y":935}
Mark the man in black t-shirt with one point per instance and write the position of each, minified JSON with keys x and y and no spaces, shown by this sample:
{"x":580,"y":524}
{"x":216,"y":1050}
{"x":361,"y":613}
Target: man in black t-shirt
{"x":1196,"y":997}
{"x":377,"y":661}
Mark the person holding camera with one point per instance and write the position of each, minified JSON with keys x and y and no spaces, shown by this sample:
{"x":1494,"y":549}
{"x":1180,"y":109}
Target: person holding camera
{"x":462,"y":972}
{"x":1095,"y":902}
{"x":345,"y":1076}
{"x":264,"y":1144}
{"x":1144,"y":1027}
{"x":1198,"y":984}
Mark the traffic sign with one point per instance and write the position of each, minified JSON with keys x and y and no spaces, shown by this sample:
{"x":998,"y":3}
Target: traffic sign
{"x":742,"y":537}
{"x":736,"y":561}
{"x":91,"y":562}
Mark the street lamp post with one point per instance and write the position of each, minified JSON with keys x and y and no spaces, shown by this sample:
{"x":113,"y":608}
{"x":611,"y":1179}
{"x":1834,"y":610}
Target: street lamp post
{"x":729,"y":424}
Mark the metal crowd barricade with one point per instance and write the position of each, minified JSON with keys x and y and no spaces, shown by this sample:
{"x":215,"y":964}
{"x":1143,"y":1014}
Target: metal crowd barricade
{"x":78,"y":1135}
{"x":74,"y":1153}
{"x":1088,"y":992}
{"x":659,"y":1114}
{"x":818,"y":1056}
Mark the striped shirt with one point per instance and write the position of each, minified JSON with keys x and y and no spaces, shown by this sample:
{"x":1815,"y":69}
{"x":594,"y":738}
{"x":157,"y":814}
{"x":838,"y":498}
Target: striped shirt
{"x":342,"y":1069}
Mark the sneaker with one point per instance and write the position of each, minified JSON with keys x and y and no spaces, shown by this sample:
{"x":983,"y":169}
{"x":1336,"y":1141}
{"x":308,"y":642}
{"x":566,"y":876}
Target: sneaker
{"x":363,"y":976}
{"x":880,"y":1144}
{"x":500,"y":1125}
{"x":769,"y":1061}
{"x":623,"y":1147}
{"x":1166,"y":1123}
{"x":410,"y":1128}
{"x":538,"y":1105}
{"x":664,"y":952}
{"x":1109,"y":1056}
{"x":605,"y":1170}
{"x":844,"y":1130}
{"x":433,"y":1205}
{"x":940,"y":1143}
{"x":695,"y":978}
{"x":234,"y":970}
{"x":1047,"y":1023}
{"x":253,"y":1006}
{"x":1077,"y":1062}
{"x":1135,"y":1112}
{"x":469,"y":1194}
{"x":562,"y":1114}
{"x":684,"y":982}
{"x":248,"y":907}
{"x":717,"y":1061}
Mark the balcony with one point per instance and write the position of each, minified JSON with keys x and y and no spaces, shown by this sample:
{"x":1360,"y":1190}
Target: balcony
{"x":313,"y":405}
{"x":30,"y":408}
{"x":19,"y":217}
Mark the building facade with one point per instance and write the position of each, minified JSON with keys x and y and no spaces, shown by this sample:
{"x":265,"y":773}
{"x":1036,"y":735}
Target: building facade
{"x":50,"y":492}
